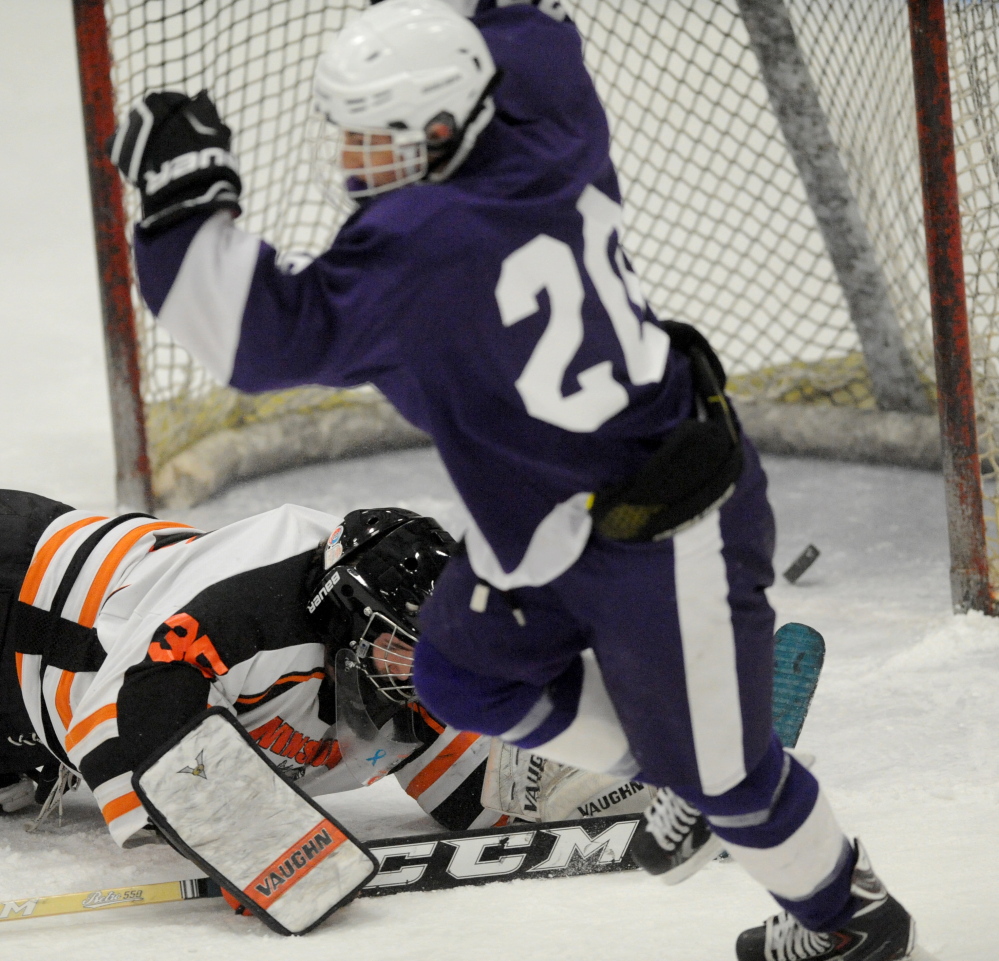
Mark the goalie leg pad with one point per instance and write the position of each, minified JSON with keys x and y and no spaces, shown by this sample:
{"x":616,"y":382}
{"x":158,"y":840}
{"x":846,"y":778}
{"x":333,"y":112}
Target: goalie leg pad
{"x":220,"y":802}
{"x":529,"y":787}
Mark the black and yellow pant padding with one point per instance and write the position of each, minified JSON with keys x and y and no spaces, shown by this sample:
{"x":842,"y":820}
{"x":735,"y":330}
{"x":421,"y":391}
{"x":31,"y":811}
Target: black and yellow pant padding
{"x":695,"y":469}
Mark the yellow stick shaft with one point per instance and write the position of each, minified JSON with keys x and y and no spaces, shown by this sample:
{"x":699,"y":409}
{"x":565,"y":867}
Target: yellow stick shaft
{"x":86,"y":901}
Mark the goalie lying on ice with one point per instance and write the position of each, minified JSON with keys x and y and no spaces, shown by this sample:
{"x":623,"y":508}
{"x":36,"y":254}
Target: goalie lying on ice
{"x":121,"y":630}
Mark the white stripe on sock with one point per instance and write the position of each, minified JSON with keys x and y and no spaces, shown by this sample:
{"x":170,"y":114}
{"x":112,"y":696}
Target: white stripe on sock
{"x":805,"y":862}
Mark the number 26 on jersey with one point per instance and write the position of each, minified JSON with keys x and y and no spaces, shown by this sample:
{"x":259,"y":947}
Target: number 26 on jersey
{"x":545,"y":263}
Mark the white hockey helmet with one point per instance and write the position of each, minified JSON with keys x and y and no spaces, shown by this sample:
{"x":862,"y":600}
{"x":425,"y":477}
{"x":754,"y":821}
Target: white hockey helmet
{"x":405,"y":90}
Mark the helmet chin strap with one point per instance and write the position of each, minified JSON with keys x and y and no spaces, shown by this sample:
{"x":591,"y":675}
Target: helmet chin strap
{"x":469,"y":135}
{"x":477,"y":121}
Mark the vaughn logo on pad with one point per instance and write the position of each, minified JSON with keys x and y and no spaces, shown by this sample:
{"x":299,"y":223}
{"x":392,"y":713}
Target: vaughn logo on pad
{"x":218,"y":799}
{"x":294,"y":864}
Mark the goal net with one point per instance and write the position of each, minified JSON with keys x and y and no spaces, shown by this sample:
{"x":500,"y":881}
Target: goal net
{"x":787,"y":227}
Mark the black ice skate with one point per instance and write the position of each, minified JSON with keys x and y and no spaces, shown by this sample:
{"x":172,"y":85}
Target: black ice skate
{"x":673,"y":839}
{"x":881,"y":930}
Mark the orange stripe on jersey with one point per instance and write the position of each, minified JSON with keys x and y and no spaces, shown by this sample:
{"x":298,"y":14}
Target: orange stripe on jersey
{"x":80,"y":730}
{"x":287,"y":679}
{"x":62,"y":698}
{"x":431,"y":721}
{"x":441,"y":764}
{"x":88,"y":613}
{"x":19,"y":662}
{"x":120,"y":805}
{"x":43,"y":557}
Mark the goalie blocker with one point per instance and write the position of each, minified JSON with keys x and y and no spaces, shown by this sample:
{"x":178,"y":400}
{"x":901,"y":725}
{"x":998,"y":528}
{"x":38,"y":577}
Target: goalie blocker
{"x":220,"y":802}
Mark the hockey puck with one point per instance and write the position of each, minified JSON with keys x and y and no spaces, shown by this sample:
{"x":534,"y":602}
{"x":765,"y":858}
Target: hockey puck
{"x":804,"y":561}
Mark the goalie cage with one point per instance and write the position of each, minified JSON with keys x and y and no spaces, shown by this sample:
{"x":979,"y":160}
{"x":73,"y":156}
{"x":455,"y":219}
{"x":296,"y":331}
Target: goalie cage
{"x":759,"y":207}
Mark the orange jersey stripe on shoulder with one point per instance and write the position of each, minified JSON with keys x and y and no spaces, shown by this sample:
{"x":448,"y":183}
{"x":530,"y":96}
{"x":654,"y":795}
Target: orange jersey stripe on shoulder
{"x":88,"y":613}
{"x":441,"y":764}
{"x":120,"y":805}
{"x":79,"y":731}
{"x":43,"y":557}
{"x":431,"y":721}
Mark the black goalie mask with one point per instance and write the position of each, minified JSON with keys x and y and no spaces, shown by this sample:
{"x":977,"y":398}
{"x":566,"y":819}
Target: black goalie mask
{"x":379,"y":567}
{"x":374,"y":573}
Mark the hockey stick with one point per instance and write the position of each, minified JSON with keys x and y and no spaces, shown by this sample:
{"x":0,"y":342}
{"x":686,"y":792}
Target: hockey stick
{"x":133,"y":896}
{"x":430,"y":862}
{"x":435,"y":862}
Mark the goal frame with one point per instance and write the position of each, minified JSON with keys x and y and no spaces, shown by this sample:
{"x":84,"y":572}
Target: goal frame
{"x":969,"y":568}
{"x":952,"y":355}
{"x":133,"y":472}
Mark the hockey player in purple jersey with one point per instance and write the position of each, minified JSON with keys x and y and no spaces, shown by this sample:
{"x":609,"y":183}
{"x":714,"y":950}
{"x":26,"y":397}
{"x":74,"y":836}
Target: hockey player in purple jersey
{"x":610,"y":611}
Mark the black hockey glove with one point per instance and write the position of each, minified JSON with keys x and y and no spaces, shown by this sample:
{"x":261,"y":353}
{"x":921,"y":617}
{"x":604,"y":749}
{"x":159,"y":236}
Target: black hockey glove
{"x":175,"y":149}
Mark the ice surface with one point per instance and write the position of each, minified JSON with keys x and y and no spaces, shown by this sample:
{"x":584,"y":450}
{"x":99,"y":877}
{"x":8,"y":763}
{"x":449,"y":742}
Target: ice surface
{"x":905,"y":722}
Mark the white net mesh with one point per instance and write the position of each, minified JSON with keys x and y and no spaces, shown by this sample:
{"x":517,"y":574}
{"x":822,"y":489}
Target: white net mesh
{"x":719,"y":224}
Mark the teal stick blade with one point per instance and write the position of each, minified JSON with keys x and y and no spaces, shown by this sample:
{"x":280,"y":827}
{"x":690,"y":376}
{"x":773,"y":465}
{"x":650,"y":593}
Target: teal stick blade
{"x":799,"y":651}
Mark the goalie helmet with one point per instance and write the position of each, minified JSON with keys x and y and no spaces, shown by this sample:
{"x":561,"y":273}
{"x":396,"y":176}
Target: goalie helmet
{"x":376,"y":570}
{"x":405,"y":91}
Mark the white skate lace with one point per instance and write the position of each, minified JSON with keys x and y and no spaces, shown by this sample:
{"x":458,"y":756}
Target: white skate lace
{"x":787,"y":940}
{"x":669,"y":819}
{"x":68,"y":780}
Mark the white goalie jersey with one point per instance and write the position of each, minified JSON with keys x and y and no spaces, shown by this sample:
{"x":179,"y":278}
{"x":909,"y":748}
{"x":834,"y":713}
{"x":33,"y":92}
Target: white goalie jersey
{"x":127,"y":627}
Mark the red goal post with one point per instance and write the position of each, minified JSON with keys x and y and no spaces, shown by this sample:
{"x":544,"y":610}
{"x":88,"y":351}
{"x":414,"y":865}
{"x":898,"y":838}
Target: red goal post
{"x":769,"y":158}
{"x":952,"y":344}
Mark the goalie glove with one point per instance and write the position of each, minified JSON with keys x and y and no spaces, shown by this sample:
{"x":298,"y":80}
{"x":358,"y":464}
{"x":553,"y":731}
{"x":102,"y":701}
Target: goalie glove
{"x":175,"y":149}
{"x":531,"y":788}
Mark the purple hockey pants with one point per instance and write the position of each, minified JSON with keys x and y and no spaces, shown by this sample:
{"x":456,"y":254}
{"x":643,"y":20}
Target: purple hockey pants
{"x":682,"y":636}
{"x":681,"y":630}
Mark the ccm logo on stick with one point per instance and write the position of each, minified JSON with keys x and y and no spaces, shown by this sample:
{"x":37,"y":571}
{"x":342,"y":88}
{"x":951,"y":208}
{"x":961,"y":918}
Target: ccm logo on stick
{"x":22,"y":908}
{"x":451,"y":862}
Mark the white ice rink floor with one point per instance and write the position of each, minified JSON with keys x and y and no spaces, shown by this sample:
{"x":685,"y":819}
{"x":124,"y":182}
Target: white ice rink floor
{"x":905,"y":722}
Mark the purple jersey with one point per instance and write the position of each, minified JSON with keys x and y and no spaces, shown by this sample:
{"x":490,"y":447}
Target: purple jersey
{"x":496,"y":310}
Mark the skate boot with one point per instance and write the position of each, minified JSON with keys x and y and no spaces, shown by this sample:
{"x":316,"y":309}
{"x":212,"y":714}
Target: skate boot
{"x":673,"y":840}
{"x":881,"y":930}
